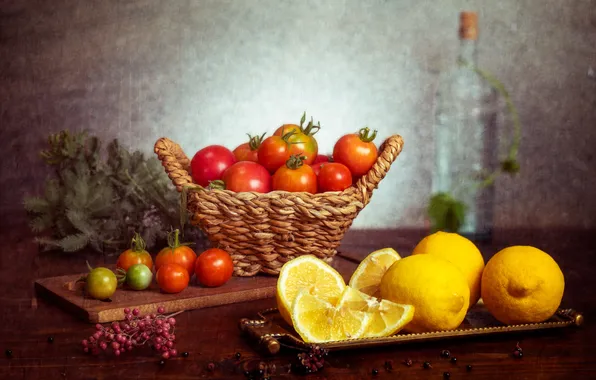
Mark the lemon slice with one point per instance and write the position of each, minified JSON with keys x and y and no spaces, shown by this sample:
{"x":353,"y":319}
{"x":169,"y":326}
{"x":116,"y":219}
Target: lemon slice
{"x":367,"y":277}
{"x":387,"y":317}
{"x":310,"y":273}
{"x":317,"y":320}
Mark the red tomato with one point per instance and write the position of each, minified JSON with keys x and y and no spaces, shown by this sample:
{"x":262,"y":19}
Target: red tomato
{"x":357,"y":151}
{"x":214,"y":267}
{"x":321,"y":158}
{"x":172,"y":278}
{"x":176,"y":253}
{"x":317,"y":167}
{"x":334,"y":177}
{"x":209,"y":163}
{"x":136,"y":254}
{"x":249,"y":150}
{"x":247,"y":176}
{"x":295,"y":176}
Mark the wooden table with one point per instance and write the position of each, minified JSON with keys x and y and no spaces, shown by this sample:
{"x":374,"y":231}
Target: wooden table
{"x":211,"y":336}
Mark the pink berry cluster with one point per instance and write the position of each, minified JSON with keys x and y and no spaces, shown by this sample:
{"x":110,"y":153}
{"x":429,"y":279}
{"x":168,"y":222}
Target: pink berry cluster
{"x":155,"y":330}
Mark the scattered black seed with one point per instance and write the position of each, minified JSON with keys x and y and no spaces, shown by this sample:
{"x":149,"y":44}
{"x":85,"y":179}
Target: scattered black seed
{"x":247,"y":374}
{"x":469,"y":367}
{"x":408,"y":362}
{"x":51,"y":339}
{"x":446,"y":375}
{"x":427,"y":365}
{"x":445,"y":353}
{"x":238,"y":355}
{"x":261,"y":372}
{"x":454,"y":360}
{"x":162,"y":362}
{"x":375,"y":372}
{"x":8,"y":353}
{"x":389,"y":365}
{"x":185,"y":354}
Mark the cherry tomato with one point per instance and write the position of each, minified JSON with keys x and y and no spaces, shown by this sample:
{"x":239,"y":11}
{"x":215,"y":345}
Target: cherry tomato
{"x":317,"y":167}
{"x":209,"y":163}
{"x":101,"y":283}
{"x":249,"y":151}
{"x":176,"y":253}
{"x":334,"y":177}
{"x":357,"y":151}
{"x":139,"y":276}
{"x":136,"y":254}
{"x":301,"y":139}
{"x":172,"y":278}
{"x":273,"y":153}
{"x":247,"y":176}
{"x":295,"y":176}
{"x":321,"y":158}
{"x":214,"y":267}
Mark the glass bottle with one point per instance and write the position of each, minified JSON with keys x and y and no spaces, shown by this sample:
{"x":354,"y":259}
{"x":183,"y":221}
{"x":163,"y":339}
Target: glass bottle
{"x":465,"y":138}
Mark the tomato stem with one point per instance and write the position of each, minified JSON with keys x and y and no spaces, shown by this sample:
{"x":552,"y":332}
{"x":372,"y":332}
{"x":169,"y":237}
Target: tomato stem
{"x":88,"y":266}
{"x":295,"y":161}
{"x":174,"y":240}
{"x":302,"y":120}
{"x":364,"y":134}
{"x":254,"y":142}
{"x":137,"y":244}
{"x":311,"y":128}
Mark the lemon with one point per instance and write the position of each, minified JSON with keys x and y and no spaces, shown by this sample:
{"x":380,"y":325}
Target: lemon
{"x":367,"y":277}
{"x":317,"y":320}
{"x":522,"y":284}
{"x":460,"y":251}
{"x":434,"y":286}
{"x":310,"y":273}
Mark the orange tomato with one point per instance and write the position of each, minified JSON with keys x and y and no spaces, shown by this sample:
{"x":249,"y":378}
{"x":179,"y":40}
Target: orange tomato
{"x":136,"y":254}
{"x":176,"y":253}
{"x":172,"y":278}
{"x":295,"y":176}
{"x":249,"y":150}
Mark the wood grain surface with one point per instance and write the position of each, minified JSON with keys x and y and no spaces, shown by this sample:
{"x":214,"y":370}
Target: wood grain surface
{"x":212,"y":337}
{"x":66,"y":292}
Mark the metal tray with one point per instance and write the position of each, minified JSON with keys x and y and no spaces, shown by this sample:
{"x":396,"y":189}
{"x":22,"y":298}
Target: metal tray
{"x":271,"y":332}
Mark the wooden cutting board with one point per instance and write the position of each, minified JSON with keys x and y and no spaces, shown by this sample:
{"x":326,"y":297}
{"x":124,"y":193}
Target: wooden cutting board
{"x":65,"y":291}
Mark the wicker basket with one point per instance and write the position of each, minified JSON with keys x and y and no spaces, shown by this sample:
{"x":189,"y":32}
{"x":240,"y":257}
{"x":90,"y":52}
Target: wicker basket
{"x":263,"y":231}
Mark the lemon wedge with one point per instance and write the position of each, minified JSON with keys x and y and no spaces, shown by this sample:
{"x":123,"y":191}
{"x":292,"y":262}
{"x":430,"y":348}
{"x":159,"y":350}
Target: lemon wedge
{"x":308,"y":273}
{"x":367,"y":277}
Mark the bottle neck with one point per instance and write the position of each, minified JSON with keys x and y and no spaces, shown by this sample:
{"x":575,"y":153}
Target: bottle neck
{"x":467,"y":51}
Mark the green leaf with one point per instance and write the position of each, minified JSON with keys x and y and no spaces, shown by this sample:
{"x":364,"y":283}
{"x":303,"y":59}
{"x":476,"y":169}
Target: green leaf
{"x":79,"y":220}
{"x":41,"y":223}
{"x":52,"y":191}
{"x":36,"y":205}
{"x":446,"y":213}
{"x":73,"y":243}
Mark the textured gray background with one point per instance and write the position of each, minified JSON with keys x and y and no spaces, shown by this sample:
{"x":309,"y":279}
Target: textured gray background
{"x":203,"y":72}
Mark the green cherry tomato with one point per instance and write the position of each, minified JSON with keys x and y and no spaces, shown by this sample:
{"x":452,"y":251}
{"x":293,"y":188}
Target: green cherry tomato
{"x":139,"y":276}
{"x":101,"y":283}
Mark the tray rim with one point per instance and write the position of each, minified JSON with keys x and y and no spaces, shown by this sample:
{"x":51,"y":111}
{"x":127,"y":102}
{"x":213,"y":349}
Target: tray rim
{"x":271,"y":336}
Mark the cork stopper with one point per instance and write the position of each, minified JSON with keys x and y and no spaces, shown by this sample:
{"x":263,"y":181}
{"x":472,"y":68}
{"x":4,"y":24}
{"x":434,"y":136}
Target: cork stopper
{"x":468,"y":25}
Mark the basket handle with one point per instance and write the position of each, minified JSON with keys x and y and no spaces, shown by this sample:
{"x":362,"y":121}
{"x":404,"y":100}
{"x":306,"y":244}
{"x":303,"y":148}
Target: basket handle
{"x":175,"y":162}
{"x":389,"y":150}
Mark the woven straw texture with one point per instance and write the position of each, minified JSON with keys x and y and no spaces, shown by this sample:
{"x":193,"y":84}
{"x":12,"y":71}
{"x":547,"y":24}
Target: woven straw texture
{"x":263,"y":231}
